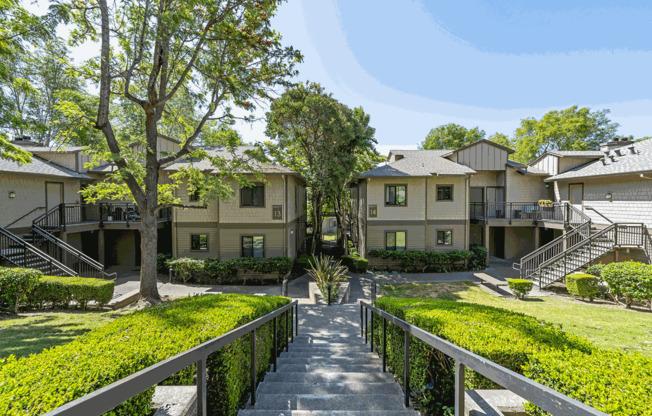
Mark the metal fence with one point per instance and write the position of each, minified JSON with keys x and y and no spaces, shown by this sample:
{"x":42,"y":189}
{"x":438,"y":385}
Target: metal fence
{"x":106,"y":398}
{"x":538,"y":394}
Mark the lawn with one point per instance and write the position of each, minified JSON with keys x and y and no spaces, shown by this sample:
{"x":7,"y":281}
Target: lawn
{"x":31,"y":333}
{"x":329,"y":237}
{"x":608,"y":327}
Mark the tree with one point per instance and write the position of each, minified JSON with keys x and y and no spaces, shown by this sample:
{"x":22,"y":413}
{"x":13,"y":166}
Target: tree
{"x":570,"y":129}
{"x":318,"y":137}
{"x":221,"y":136}
{"x":152,"y":56}
{"x":451,"y":136}
{"x":501,"y":139}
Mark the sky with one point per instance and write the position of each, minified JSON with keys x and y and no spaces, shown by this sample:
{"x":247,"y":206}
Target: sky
{"x":416,"y":64}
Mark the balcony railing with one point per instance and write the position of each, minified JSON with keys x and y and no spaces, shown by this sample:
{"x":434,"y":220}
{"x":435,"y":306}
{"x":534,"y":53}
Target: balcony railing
{"x":534,"y":211}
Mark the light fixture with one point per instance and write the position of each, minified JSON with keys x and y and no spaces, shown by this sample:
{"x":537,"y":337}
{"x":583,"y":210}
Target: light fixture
{"x":608,"y":196}
{"x":12,"y":194}
{"x":547,"y":185}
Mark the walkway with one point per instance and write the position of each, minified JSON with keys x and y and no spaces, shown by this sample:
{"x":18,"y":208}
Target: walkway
{"x":329,"y":371}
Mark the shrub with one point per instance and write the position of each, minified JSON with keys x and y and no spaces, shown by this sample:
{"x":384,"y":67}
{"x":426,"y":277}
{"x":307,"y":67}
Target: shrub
{"x":422,"y":261}
{"x":162,"y":263}
{"x":218,"y":271}
{"x":616,"y":383}
{"x":595,"y":270}
{"x":508,"y":338}
{"x":15,"y":284}
{"x":327,"y":272}
{"x":582,"y":285}
{"x":355,"y":263}
{"x":479,"y":258}
{"x":42,"y":382}
{"x":185,"y":267}
{"x":301,"y":265}
{"x":62,"y":290}
{"x":630,"y":279}
{"x":520,"y":287}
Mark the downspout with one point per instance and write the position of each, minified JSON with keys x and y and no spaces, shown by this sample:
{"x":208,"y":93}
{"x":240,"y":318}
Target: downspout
{"x":175,"y":245}
{"x":467,"y":219}
{"x":425,"y":221}
{"x":218,"y":229}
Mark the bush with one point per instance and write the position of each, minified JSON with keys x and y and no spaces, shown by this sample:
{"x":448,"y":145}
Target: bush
{"x":520,"y":287}
{"x":62,"y":290}
{"x":479,"y":259}
{"x":582,"y":285}
{"x":630,"y":279}
{"x":422,"y":261}
{"x":616,"y":383}
{"x":162,"y":263}
{"x":186,"y":267}
{"x":595,"y":270}
{"x":327,"y":272}
{"x":42,"y":382}
{"x":508,"y":338}
{"x":218,"y":271}
{"x":355,"y":263}
{"x":301,"y":265}
{"x":15,"y":284}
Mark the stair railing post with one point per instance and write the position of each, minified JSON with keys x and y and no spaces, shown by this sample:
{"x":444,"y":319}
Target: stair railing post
{"x":361,"y":321}
{"x":253,"y":367}
{"x":406,"y":366}
{"x":565,"y":264}
{"x":291,"y":324}
{"x":275,"y":355}
{"x":366,"y":326}
{"x":590,"y":254}
{"x":616,"y":235}
{"x":202,"y":408}
{"x":384,"y":345}
{"x":459,"y":388}
{"x":371,"y":337}
{"x":287,"y":329}
{"x":296,"y":320}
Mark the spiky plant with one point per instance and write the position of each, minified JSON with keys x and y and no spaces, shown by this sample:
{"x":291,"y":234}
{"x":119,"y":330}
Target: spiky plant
{"x":326,"y":271}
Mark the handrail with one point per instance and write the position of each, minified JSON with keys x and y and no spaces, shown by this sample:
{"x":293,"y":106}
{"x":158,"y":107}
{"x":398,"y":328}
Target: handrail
{"x":542,"y":396}
{"x":24,"y":216}
{"x":118,"y":392}
{"x":599,"y":213}
{"x":583,"y":217}
{"x":46,"y":214}
{"x":36,"y":252}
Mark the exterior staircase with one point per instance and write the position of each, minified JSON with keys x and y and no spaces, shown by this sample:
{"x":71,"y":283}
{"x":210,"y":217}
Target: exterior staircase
{"x":329,"y":372}
{"x":23,"y":254}
{"x":581,"y":247}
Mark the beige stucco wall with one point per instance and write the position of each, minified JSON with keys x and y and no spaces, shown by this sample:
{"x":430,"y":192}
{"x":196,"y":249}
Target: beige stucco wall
{"x":30,"y":194}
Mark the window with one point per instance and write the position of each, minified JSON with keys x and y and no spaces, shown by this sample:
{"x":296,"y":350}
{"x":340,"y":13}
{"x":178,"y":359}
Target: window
{"x":444,"y":192}
{"x":396,"y":195}
{"x":253,"y":246}
{"x":445,"y":238}
{"x":199,"y":242}
{"x":395,"y":240}
{"x":254,"y":196}
{"x":194,"y":196}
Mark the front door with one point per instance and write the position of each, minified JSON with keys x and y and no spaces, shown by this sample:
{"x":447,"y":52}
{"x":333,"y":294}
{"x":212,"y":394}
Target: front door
{"x":53,"y":194}
{"x":495,"y":199}
{"x":576,"y":193}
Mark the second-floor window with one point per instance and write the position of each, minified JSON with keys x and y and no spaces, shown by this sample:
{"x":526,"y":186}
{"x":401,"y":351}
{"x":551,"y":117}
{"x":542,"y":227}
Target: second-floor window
{"x":396,"y":195}
{"x":253,"y":246}
{"x":395,"y":240}
{"x":253,"y":196}
{"x":444,"y":192}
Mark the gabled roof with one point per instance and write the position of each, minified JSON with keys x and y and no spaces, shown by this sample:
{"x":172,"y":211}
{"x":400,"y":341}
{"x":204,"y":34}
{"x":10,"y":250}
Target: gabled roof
{"x":628,"y":163}
{"x":53,"y":149}
{"x":589,"y":154}
{"x":419,"y":163}
{"x":40,"y":166}
{"x":525,"y":169}
{"x":485,"y":141}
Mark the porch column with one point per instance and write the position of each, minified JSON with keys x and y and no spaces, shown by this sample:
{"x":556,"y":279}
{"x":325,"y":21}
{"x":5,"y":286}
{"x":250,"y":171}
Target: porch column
{"x":100,"y":246}
{"x":537,"y":237}
{"x":486,"y":240}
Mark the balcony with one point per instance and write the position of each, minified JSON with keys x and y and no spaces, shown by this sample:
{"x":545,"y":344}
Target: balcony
{"x":523,"y":211}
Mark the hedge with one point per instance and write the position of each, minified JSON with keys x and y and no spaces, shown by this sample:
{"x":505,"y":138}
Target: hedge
{"x":218,"y":271}
{"x":422,"y":261}
{"x":582,"y":285}
{"x":617,"y":383}
{"x":355,"y":263}
{"x":630,"y":279}
{"x":508,"y":338}
{"x":60,"y":291}
{"x":520,"y":287}
{"x":42,"y":382}
{"x":16,"y":284}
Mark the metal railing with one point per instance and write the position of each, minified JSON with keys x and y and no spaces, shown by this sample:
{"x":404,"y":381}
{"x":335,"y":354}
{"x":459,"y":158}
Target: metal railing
{"x":108,"y":397}
{"x":504,"y":210}
{"x":542,"y":396}
{"x":599,"y":213}
{"x":82,"y":264}
{"x":23,"y":254}
{"x":37,"y":209}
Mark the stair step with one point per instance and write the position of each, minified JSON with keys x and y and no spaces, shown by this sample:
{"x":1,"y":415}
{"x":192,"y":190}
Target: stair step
{"x":344,"y":368}
{"x":329,"y":402}
{"x":256,"y":412}
{"x":329,"y":388}
{"x":302,"y":377}
{"x":367,"y":358}
{"x":357,"y":347}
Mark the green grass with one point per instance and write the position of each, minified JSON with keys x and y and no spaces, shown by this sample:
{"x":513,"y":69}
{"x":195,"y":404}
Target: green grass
{"x":30,"y":334}
{"x":329,"y":237}
{"x":608,"y":327}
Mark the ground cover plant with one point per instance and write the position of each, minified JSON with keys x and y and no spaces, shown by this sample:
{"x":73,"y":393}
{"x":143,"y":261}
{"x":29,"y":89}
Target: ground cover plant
{"x":42,"y":382}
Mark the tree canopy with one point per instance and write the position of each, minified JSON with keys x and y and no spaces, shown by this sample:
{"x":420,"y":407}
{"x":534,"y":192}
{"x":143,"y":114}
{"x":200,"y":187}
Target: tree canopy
{"x":451,"y":136}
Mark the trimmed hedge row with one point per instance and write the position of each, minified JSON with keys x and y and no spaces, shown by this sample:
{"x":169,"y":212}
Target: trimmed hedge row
{"x":413,"y":261}
{"x":42,"y":382}
{"x":505,"y":337}
{"x":355,"y":263}
{"x":583,"y":285}
{"x":35,"y":290}
{"x":218,"y":271}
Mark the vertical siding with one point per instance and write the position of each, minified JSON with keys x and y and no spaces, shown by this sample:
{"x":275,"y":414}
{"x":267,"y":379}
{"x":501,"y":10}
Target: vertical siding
{"x":549,"y":164}
{"x":483,"y":156}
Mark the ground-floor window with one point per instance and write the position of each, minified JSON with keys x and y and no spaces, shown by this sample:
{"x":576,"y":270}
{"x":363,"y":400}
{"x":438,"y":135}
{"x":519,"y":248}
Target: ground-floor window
{"x":444,"y":237}
{"x":199,"y":242}
{"x":395,"y":240}
{"x":253,"y":246}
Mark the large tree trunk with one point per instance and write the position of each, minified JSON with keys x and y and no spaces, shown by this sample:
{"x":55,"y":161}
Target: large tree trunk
{"x":317,"y":201}
{"x":340,"y":216}
{"x":148,"y":248}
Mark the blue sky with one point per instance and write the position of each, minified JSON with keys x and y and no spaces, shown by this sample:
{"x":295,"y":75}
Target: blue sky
{"x":416,"y":64}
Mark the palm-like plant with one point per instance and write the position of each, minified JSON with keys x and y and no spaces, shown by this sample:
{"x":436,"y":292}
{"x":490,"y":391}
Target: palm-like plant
{"x":326,"y":271}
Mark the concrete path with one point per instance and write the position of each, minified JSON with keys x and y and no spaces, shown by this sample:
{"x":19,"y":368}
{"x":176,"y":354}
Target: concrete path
{"x":329,"y":371}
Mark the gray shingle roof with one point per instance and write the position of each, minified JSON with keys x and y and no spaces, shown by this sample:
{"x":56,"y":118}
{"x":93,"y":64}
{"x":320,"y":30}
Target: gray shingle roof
{"x":40,"y":167}
{"x":53,"y":149}
{"x":525,"y":169}
{"x":626,"y":164}
{"x":240,"y":152}
{"x":419,"y":163}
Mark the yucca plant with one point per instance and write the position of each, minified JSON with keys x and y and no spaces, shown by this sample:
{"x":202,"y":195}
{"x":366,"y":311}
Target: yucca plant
{"x":326,"y":271}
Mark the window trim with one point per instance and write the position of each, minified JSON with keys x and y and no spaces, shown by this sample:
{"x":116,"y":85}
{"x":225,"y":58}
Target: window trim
{"x":452,"y":192}
{"x":396,"y":231}
{"x":395,"y":185}
{"x":243,"y":236}
{"x":198,"y":250}
{"x":443,"y":231}
{"x":242,"y":188}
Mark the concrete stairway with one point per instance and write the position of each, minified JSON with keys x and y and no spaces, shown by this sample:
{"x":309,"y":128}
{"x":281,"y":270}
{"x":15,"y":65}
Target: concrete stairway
{"x":329,"y":371}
